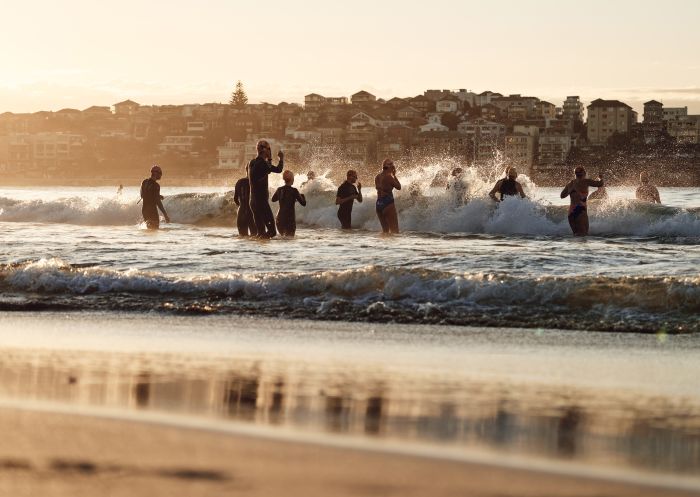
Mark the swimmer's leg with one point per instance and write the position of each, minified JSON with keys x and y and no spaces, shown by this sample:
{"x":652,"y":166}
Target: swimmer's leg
{"x":392,"y":218}
{"x":382,"y":220}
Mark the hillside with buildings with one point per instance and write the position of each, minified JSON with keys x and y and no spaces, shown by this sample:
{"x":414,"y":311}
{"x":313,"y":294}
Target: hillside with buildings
{"x":211,"y":143}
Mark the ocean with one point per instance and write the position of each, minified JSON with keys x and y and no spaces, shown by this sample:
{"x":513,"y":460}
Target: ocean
{"x":482,"y":263}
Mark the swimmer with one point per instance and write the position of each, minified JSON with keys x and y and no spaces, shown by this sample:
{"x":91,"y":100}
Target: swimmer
{"x":456,"y":186}
{"x":258,"y":171}
{"x":153,"y":200}
{"x":385,"y":182}
{"x":345,"y":198}
{"x":244,"y":217}
{"x":287,"y":196}
{"x":646,"y":192}
{"x":508,"y":186}
{"x":600,"y":194}
{"x":310,"y":176}
{"x":577,"y":191}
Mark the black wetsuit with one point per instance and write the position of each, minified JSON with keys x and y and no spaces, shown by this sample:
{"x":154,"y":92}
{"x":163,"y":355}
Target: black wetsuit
{"x":258,"y":170}
{"x":345,"y":210}
{"x":508,"y":188}
{"x":287,"y":196}
{"x":244,"y":217}
{"x":150,"y":194}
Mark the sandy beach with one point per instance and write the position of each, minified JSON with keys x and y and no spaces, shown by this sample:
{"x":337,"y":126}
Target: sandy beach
{"x":67,"y":455}
{"x":111,"y":404}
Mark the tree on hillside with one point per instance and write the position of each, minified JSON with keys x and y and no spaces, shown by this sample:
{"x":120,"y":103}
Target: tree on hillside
{"x":450,"y":120}
{"x":238,"y":98}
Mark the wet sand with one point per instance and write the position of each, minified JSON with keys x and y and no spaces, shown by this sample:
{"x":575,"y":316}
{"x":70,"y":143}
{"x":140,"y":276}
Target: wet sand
{"x":121,"y":404}
{"x":70,"y":455}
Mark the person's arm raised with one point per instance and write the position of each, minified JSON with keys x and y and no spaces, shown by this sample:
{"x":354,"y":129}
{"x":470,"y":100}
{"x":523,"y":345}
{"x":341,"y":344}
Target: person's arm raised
{"x":280,"y":165}
{"x":567,"y":190}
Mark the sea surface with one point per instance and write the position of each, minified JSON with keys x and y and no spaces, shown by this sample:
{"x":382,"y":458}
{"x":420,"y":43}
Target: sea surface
{"x":513,"y":264}
{"x":482,"y":326}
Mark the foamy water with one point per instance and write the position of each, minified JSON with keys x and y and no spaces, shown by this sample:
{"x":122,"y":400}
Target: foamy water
{"x":477,"y":263}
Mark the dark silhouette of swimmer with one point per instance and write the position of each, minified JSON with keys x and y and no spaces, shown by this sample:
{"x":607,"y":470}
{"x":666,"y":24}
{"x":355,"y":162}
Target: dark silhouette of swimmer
{"x":385,"y":182}
{"x":508,"y":186}
{"x":345,"y":198}
{"x":152,"y":200}
{"x":258,"y":171}
{"x":287,"y":196}
{"x":600,"y":194}
{"x":244,"y":217}
{"x":577,"y":191}
{"x":646,"y":191}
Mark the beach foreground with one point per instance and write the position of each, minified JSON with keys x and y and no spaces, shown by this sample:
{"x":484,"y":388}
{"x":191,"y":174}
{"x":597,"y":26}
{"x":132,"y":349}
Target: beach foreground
{"x":134,"y":404}
{"x":53,"y":454}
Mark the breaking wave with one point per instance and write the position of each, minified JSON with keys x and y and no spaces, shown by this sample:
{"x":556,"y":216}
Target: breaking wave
{"x":421,"y":209}
{"x":400,"y":294}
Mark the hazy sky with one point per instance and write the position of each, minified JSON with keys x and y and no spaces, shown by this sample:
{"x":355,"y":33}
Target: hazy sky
{"x":77,"y":53}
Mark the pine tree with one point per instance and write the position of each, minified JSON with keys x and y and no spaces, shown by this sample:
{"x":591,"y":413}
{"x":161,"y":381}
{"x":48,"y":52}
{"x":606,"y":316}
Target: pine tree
{"x":238,"y":98}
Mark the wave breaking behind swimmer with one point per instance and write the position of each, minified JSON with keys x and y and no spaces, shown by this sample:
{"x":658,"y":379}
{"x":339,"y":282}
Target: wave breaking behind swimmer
{"x":258,"y":171}
{"x":386,"y":182}
{"x":577,"y":191}
{"x":152,"y":199}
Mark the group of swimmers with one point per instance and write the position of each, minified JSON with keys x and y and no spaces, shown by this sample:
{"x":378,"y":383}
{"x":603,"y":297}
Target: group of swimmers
{"x":255,"y":218}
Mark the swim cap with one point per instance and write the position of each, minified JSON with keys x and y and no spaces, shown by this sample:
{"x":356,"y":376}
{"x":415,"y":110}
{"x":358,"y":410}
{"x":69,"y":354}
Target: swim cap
{"x":156,"y":169}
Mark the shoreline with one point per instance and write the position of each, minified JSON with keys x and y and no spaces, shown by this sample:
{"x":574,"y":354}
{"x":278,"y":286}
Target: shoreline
{"x":209,"y":455}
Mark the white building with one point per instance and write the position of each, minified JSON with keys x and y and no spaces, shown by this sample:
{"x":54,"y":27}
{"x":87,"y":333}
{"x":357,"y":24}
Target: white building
{"x":519,"y":151}
{"x":184,"y":144}
{"x":607,"y":117}
{"x":670,"y":113}
{"x":232,"y":155}
{"x":482,"y":128}
{"x":554,"y":149}
{"x":432,"y":126}
{"x":447,"y":104}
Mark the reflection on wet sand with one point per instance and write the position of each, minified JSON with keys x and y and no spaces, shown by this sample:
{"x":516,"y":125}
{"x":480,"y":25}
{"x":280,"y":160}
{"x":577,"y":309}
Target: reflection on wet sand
{"x":599,"y":427}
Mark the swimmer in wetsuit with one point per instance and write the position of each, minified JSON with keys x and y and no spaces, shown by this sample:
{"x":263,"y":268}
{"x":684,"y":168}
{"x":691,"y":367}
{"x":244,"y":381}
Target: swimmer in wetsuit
{"x":244,"y":216}
{"x":508,"y":186}
{"x":345,"y":198}
{"x":646,"y":191}
{"x":287,"y":196}
{"x":152,"y":200}
{"x":577,"y":191}
{"x":385,"y":182}
{"x":258,"y":171}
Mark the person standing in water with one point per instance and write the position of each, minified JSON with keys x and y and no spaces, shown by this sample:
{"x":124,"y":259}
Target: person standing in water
{"x":258,"y":171}
{"x":456,"y":186}
{"x":600,"y":194}
{"x":646,"y":192}
{"x":310,"y":176}
{"x":345,"y":198}
{"x":385,"y":182}
{"x":152,"y":200}
{"x":508,"y":186}
{"x":577,"y":191}
{"x":244,"y":216}
{"x":287,"y":196}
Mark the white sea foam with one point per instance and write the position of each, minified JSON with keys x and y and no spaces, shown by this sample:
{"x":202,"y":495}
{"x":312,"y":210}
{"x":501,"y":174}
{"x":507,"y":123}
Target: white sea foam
{"x":414,"y":286}
{"x":421,"y":207}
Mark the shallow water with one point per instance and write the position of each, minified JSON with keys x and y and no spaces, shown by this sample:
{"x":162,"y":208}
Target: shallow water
{"x":511,"y":264}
